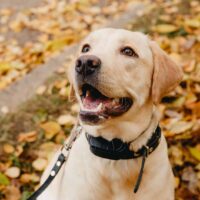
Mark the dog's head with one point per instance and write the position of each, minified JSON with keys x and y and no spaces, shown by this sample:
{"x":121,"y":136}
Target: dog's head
{"x":116,"y":72}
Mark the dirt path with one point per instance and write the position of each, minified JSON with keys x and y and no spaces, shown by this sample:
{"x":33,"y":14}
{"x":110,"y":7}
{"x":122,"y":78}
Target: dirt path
{"x":20,"y":4}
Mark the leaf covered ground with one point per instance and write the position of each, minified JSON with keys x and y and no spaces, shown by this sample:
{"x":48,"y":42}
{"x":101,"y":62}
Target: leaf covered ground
{"x":30,"y":36}
{"x":29,"y":137}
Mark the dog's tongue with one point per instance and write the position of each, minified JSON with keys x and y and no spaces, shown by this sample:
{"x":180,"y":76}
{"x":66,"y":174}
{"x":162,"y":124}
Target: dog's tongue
{"x":90,"y":102}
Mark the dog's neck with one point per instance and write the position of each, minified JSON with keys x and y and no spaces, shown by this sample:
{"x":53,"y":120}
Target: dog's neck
{"x":138,"y":130}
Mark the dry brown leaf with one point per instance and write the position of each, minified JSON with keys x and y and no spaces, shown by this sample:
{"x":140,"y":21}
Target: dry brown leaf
{"x":19,"y":150}
{"x":8,"y":148}
{"x":27,"y":178}
{"x":180,"y":127}
{"x":27,"y":137}
{"x":12,"y":193}
{"x":176,"y":155}
{"x":195,"y":109}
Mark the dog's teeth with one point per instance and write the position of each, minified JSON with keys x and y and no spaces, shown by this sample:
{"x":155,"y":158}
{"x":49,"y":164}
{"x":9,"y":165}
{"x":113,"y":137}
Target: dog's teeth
{"x":87,"y":93}
{"x":101,"y":117}
{"x":100,"y":106}
{"x":115,"y":101}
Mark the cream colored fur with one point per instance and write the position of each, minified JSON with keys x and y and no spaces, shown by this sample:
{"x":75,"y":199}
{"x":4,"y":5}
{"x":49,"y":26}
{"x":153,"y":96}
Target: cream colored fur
{"x":145,"y":80}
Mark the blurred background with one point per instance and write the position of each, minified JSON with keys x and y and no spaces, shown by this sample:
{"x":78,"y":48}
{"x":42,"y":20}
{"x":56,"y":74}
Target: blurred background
{"x":38,"y":41}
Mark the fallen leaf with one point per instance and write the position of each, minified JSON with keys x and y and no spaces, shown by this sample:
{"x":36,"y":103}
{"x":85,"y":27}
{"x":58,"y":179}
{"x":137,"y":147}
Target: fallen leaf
{"x":176,"y":155}
{"x":19,"y":150}
{"x":41,"y":90}
{"x":12,"y":193}
{"x":165,"y":28}
{"x":180,"y":127}
{"x":8,"y":148}
{"x":39,"y":164}
{"x":4,"y":67}
{"x":12,"y":172}
{"x":4,"y":109}
{"x":27,"y":137}
{"x":47,"y":150}
{"x":190,"y":176}
{"x":176,"y":182}
{"x":26,"y":178}
{"x":66,"y":120}
{"x":194,"y":152}
{"x":194,"y":23}
{"x":179,"y":102}
{"x":4,"y":180}
{"x":75,"y":108}
{"x":51,"y":128}
{"x":58,"y":44}
{"x":195,"y":109}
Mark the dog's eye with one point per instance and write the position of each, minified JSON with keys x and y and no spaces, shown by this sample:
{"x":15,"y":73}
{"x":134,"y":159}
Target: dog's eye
{"x":85,"y":48}
{"x":127,"y":51}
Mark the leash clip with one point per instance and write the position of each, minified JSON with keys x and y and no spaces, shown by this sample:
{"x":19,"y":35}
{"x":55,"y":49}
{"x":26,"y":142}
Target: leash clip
{"x":67,"y":146}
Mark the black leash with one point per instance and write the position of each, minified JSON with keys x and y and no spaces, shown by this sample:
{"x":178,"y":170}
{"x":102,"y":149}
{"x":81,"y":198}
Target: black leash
{"x":61,"y":159}
{"x":116,"y":149}
{"x":63,"y":156}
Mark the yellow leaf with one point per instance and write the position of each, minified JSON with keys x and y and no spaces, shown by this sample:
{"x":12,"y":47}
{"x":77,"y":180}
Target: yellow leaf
{"x":58,"y":44}
{"x":51,"y":128}
{"x":179,"y":102}
{"x":176,"y":182}
{"x":4,"y":67}
{"x":194,"y":23}
{"x":195,"y":153}
{"x":4,"y":180}
{"x":165,"y":28}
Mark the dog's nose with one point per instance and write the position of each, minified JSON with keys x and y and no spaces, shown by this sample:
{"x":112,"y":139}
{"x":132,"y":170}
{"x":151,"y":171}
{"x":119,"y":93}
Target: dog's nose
{"x":87,"y":65}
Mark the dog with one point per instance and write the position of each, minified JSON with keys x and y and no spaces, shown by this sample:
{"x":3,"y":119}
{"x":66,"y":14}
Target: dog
{"x":118,"y":78}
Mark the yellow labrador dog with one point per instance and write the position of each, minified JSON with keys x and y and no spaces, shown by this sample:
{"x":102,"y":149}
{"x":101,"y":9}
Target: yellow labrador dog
{"x":119,"y":77}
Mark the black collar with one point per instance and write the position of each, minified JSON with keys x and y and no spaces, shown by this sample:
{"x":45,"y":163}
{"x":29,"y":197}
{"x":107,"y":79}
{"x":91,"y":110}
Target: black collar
{"x":116,"y":149}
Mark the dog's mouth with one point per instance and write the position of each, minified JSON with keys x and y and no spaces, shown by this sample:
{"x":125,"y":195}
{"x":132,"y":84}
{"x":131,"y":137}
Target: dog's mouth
{"x":97,"y":107}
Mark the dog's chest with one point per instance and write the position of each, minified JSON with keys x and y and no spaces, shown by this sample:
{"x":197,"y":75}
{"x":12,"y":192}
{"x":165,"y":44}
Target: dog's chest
{"x":98,"y":178}
{"x":112,"y":176}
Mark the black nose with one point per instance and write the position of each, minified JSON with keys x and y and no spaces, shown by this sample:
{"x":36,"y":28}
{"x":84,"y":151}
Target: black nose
{"x":87,"y":65}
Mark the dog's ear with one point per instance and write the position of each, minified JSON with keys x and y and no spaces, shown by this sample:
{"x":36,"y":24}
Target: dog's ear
{"x":166,"y":74}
